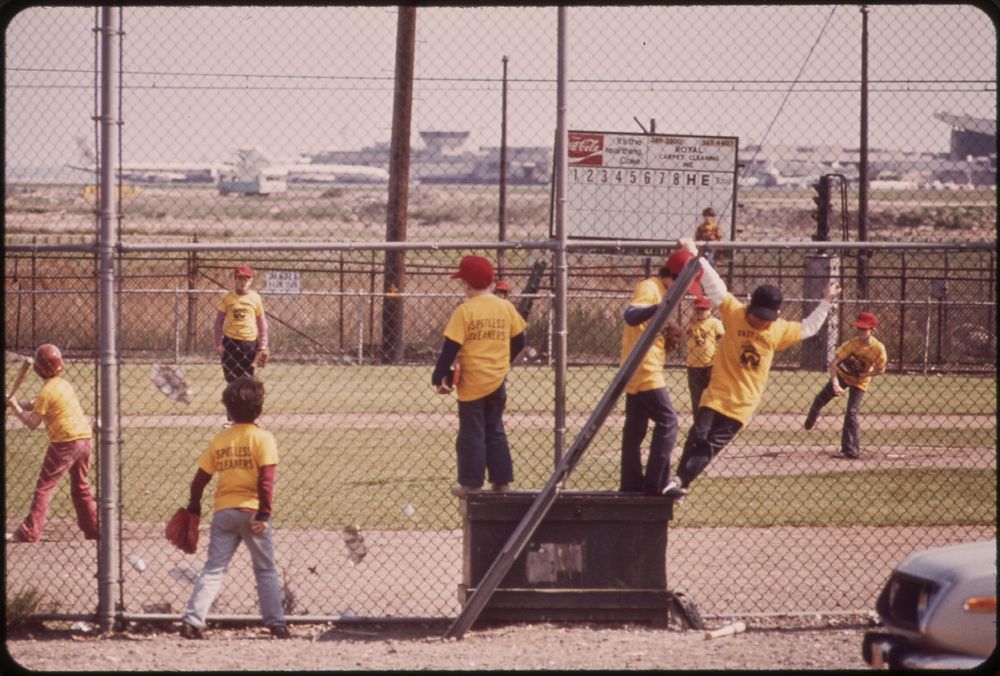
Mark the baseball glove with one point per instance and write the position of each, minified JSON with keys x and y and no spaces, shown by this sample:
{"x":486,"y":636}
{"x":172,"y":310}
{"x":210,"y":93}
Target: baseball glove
{"x":260,"y":361}
{"x":182,"y":530}
{"x":672,"y":337}
{"x":852,"y":366}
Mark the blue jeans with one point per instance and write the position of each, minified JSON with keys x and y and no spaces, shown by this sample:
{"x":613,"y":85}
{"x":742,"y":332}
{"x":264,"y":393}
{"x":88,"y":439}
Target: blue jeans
{"x":850,"y":435}
{"x":482,"y":443}
{"x":709,"y":434}
{"x":237,"y":358}
{"x":698,"y":379}
{"x":229,"y":528}
{"x":640,"y":408}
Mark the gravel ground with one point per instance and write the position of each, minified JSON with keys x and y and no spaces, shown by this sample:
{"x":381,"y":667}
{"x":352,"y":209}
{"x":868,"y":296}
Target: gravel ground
{"x":818,"y":645}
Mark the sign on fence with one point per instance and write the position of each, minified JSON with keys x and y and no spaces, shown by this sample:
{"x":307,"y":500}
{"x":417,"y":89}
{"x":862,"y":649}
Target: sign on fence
{"x":285,"y":282}
{"x":647,"y":186}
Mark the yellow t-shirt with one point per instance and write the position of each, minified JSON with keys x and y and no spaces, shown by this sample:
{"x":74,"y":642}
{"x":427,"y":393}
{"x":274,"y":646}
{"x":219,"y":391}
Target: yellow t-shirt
{"x":483,"y":326}
{"x":702,"y":337}
{"x":873,"y":357}
{"x":649,"y":374}
{"x":61,"y":412}
{"x":707,"y":232}
{"x":236,"y":455}
{"x":241,"y":314}
{"x":743,"y":360}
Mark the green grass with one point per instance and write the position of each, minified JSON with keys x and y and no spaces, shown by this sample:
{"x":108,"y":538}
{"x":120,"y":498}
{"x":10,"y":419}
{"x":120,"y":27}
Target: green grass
{"x":889,"y":497}
{"x":336,"y":477}
{"x":366,"y":472}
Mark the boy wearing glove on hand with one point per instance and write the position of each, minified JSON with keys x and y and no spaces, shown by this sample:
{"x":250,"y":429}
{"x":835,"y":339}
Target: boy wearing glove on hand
{"x":245,"y":457}
{"x":855,"y":364}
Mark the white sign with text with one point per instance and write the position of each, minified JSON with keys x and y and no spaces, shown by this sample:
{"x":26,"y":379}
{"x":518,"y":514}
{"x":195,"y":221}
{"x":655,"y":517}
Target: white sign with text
{"x":283,"y":282}
{"x":648,"y":186}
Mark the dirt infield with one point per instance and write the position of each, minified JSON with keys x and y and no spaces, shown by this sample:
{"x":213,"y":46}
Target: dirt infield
{"x":824,"y":645}
{"x":446,"y":421}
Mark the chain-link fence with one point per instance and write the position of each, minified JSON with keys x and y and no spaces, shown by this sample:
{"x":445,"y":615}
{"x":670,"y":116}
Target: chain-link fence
{"x":369,"y":444}
{"x":775,"y":525}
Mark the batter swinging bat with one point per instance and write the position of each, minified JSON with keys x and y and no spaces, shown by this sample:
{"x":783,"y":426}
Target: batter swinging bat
{"x":729,"y":629}
{"x":25,"y":365}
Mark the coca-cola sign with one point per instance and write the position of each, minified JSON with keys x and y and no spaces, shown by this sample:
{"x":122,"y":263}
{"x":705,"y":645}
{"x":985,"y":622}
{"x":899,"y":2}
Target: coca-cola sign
{"x":586,"y":149}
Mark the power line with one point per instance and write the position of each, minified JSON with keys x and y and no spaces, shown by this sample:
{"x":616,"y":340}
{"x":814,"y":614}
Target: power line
{"x":491,"y":80}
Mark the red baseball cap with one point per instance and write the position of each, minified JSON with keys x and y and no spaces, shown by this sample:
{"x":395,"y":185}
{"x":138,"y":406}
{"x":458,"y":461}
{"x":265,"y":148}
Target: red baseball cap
{"x":676,"y":262}
{"x":502,"y":285}
{"x":243,"y":271}
{"x":702,"y":303}
{"x":866,"y":320}
{"x":476,"y":270}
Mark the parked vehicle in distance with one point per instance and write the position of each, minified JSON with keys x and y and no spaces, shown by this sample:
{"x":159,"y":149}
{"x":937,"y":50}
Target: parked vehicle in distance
{"x":938,"y":610}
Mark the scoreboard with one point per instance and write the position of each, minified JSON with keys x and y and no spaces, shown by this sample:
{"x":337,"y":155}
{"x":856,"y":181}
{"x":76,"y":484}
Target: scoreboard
{"x":647,"y":186}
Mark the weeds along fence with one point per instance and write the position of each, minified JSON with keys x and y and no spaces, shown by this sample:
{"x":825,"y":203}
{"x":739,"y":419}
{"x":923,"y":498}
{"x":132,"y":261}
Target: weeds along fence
{"x":366,"y":442}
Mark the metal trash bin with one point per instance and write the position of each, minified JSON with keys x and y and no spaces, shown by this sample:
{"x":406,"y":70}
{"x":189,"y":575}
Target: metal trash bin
{"x":596,"y":556}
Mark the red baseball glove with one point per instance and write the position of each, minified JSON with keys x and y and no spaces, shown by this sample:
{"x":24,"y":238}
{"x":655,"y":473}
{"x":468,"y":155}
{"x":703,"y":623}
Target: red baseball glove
{"x":182,"y":530}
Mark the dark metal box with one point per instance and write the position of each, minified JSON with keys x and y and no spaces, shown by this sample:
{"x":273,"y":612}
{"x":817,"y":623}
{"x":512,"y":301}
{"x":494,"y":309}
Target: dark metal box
{"x":596,"y":556}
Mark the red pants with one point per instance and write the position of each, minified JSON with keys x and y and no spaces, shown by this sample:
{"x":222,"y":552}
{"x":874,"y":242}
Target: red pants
{"x":62,"y":457}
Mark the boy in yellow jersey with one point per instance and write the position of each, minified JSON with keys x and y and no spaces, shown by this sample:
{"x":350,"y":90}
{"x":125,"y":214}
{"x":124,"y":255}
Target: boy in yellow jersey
{"x":245,"y":458}
{"x":69,"y":449}
{"x":708,"y":231}
{"x":240,"y":330}
{"x":485,"y":333}
{"x":646,"y":396}
{"x":853,"y":366}
{"x":754,"y":333}
{"x":703,"y":333}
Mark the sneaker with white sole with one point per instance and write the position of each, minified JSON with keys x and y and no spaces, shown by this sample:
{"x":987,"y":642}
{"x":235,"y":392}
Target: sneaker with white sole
{"x":460,"y":491}
{"x":280,"y":631}
{"x":675,"y":490}
{"x":189,"y":631}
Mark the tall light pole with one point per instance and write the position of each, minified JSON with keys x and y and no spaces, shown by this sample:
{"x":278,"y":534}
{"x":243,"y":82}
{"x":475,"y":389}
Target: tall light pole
{"x":863,"y":162}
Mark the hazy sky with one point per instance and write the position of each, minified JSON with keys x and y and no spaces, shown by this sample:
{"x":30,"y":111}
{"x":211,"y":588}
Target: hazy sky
{"x":203,"y":81}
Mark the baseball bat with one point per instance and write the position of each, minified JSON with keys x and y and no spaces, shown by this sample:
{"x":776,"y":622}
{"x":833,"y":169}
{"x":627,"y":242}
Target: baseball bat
{"x":728,"y":630}
{"x":25,"y":365}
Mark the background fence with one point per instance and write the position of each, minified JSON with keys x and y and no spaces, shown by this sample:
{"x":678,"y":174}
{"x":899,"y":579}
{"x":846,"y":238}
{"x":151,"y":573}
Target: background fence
{"x":775,"y":525}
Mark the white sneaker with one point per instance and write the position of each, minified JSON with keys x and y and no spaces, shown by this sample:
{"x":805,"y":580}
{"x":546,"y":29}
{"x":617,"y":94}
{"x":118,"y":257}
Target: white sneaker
{"x":675,"y":490}
{"x":460,"y":491}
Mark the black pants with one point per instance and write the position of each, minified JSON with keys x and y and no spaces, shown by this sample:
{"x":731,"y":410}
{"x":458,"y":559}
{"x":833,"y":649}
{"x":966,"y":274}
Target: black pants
{"x":850,"y":435}
{"x":640,"y":408}
{"x":698,"y":377}
{"x":237,"y":358}
{"x":709,"y":434}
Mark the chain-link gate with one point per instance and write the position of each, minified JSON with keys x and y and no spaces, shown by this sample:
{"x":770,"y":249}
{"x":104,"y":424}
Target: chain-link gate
{"x":364,"y":523}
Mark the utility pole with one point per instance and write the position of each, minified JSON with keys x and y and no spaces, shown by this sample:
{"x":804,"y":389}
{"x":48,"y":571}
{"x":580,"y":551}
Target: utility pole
{"x":502,"y":210}
{"x":863,"y":161}
{"x":394,"y":276}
